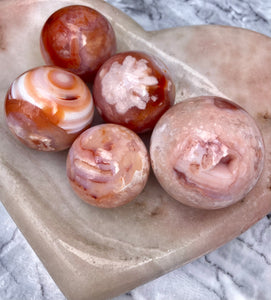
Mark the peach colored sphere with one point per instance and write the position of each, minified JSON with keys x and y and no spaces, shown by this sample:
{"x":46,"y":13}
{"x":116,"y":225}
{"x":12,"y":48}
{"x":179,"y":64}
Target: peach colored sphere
{"x":79,"y":39}
{"x":207,"y":152}
{"x":48,"y":107}
{"x":108,"y":165}
{"x":133,"y":89}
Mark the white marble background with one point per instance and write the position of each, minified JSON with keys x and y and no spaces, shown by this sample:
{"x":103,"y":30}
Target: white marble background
{"x":240,"y":270}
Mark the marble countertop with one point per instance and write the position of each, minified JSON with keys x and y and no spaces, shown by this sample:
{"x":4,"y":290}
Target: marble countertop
{"x":240,"y":269}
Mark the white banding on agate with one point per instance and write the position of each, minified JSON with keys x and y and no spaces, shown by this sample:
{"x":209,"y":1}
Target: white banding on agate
{"x":49,"y":95}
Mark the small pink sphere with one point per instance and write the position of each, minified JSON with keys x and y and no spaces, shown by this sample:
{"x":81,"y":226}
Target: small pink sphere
{"x":79,"y":39}
{"x":133,"y":89}
{"x":48,"y":107}
{"x":108,"y":165}
{"x":207,"y":152}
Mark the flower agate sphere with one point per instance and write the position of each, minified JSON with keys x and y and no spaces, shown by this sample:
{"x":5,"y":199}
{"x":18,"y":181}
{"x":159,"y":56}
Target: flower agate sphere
{"x":108,"y":165}
{"x":47,"y":108}
{"x":207,"y":152}
{"x":133,"y":89}
{"x":78,"y":39}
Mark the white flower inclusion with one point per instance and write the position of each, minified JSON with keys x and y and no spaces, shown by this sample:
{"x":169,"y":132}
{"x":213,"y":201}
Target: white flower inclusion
{"x":126,"y":85}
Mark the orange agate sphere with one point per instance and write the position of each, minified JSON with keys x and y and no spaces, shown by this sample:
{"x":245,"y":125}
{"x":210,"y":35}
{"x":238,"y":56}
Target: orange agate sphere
{"x":48,"y":107}
{"x":207,"y":152}
{"x":79,"y":39}
{"x":108,"y":165}
{"x":133,"y":89}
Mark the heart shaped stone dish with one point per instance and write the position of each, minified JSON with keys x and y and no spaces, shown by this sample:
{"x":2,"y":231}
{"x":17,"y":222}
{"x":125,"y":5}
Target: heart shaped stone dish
{"x":94,"y":253}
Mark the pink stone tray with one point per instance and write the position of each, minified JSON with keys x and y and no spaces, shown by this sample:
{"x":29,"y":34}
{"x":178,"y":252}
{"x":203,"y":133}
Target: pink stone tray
{"x":96,"y":254}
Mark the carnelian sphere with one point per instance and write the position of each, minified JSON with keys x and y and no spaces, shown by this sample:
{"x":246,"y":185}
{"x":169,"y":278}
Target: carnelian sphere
{"x":48,"y":107}
{"x":79,"y":39}
{"x":207,"y":152}
{"x":108,"y":165}
{"x":133,"y":89}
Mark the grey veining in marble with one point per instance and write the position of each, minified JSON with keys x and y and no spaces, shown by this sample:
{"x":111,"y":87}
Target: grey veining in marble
{"x":22,"y":276}
{"x":239,"y":270}
{"x":157,"y":14}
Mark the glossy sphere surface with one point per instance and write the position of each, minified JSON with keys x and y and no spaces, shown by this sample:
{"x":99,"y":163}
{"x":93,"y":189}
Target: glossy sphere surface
{"x":207,"y":152}
{"x":108,"y":165}
{"x":133,"y":89}
{"x":79,"y":39}
{"x":47,"y":107}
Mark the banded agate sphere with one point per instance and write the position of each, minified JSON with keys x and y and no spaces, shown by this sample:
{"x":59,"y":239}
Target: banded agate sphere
{"x":207,"y":152}
{"x":133,"y":89}
{"x":108,"y":165}
{"x":79,"y":39}
{"x":48,"y":107}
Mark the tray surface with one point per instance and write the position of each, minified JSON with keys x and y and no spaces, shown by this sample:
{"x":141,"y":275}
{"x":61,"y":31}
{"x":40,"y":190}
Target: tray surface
{"x":93,"y":253}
